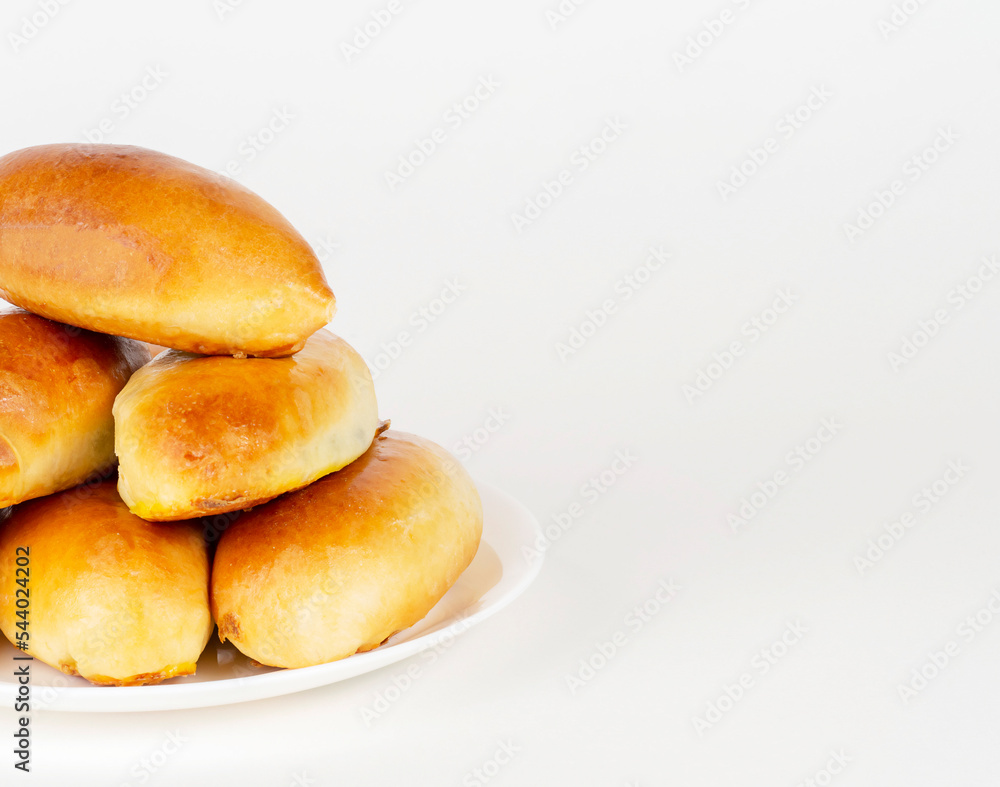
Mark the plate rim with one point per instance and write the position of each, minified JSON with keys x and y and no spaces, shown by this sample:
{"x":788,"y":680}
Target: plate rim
{"x":230,"y":691}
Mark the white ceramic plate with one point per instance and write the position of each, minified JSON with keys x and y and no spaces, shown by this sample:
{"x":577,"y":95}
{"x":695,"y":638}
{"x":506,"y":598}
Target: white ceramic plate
{"x":499,"y":573}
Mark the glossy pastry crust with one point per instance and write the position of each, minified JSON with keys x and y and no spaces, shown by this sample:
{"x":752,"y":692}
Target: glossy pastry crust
{"x":131,"y":242}
{"x":114,"y":599}
{"x":340,"y":566}
{"x":202,"y":435}
{"x":57,"y":388}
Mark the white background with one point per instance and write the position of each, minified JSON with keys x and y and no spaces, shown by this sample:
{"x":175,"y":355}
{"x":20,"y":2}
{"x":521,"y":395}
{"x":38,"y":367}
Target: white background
{"x":222,"y":73}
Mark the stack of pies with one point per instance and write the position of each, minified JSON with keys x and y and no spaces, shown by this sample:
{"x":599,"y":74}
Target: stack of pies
{"x":355,"y":531}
